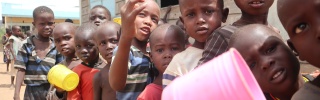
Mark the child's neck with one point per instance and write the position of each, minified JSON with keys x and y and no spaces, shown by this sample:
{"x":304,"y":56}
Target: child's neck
{"x":287,"y":95}
{"x":41,"y":38}
{"x":199,"y":45}
{"x":253,"y":19}
{"x":158,"y":79}
{"x":141,"y":45}
{"x":71,"y":58}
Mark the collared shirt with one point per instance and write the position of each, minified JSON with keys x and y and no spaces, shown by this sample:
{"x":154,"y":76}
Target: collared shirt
{"x":36,"y":69}
{"x":181,"y":64}
{"x":138,"y":75}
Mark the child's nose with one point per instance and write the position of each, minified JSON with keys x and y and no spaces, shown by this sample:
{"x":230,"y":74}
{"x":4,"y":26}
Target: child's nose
{"x":267,"y":63}
{"x":168,"y":56}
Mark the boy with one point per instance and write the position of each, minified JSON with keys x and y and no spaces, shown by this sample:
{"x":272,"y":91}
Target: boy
{"x":139,"y":18}
{"x":165,"y":42}
{"x":36,"y":56}
{"x":14,"y":45}
{"x":99,"y":14}
{"x":106,"y":39}
{"x":200,"y":19}
{"x":252,"y":12}
{"x":273,"y":64}
{"x":5,"y":43}
{"x":63,"y":35}
{"x":87,"y":51}
{"x":301,"y":18}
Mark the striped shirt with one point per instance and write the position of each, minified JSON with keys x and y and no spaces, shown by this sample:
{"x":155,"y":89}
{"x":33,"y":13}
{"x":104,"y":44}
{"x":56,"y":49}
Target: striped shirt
{"x":217,"y":43}
{"x":36,"y":69}
{"x":138,"y":76}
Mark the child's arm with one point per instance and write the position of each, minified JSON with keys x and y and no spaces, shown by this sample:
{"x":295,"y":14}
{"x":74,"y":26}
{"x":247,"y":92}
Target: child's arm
{"x":119,"y":67}
{"x":19,"y":79}
{"x":11,"y":49}
{"x":20,"y":64}
{"x":4,"y":40}
{"x":97,"y":87}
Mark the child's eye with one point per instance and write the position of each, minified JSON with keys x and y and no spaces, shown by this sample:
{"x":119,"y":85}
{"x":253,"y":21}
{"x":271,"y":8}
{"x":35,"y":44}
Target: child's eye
{"x":141,"y":14}
{"x":101,"y":18}
{"x":209,"y":11}
{"x":155,"y":20}
{"x":299,"y":28}
{"x":67,"y":38}
{"x":159,"y":50}
{"x":114,"y":41}
{"x":190,"y":15}
{"x":77,"y":46}
{"x":174,"y":48}
{"x":271,"y":50}
{"x":103,"y":43}
{"x":251,"y":65}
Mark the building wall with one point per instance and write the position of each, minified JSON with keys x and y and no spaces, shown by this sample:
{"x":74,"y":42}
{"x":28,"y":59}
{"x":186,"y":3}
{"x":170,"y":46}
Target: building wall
{"x":23,"y":21}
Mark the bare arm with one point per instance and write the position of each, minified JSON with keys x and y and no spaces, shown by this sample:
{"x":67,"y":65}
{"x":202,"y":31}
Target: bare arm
{"x":119,"y":66}
{"x":11,"y":49}
{"x":20,"y":76}
{"x":97,"y":91}
{"x":4,"y":40}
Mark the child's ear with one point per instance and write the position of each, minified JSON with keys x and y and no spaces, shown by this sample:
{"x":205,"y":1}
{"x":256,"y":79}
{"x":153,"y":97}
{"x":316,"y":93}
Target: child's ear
{"x":290,"y":44}
{"x":181,"y":20}
{"x":225,"y":13}
{"x":150,"y":57}
{"x":33,"y":24}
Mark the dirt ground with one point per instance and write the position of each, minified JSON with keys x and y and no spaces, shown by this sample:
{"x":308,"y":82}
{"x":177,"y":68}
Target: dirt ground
{"x":5,"y":80}
{"x":7,"y":94}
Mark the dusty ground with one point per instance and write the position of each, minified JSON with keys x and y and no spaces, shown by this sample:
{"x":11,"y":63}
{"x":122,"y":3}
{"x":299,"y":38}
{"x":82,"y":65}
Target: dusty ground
{"x":7,"y":94}
{"x":5,"y":80}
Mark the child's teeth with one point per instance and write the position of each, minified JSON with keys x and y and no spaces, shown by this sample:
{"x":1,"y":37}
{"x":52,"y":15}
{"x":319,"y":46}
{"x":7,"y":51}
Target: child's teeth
{"x":277,"y":74}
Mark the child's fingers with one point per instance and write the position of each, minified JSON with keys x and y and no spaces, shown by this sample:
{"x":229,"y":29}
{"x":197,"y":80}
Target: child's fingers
{"x":138,"y":8}
{"x":132,"y":3}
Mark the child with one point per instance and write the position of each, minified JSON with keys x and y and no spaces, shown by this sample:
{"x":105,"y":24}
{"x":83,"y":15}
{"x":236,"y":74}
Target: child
{"x":252,"y":12}
{"x":14,"y":45}
{"x":165,"y":42}
{"x":273,"y":64}
{"x":200,"y":19}
{"x":5,"y":42}
{"x":87,"y":51}
{"x":63,"y":35}
{"x":130,"y":78}
{"x":36,"y":56}
{"x":99,"y":14}
{"x":106,"y":39}
{"x":301,"y":18}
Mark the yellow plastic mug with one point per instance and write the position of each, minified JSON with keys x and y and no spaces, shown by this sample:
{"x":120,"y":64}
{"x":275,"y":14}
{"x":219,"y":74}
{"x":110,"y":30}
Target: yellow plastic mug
{"x":61,"y":76}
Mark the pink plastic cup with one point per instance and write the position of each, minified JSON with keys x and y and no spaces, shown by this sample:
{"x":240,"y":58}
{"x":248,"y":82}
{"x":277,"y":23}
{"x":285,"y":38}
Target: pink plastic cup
{"x":226,"y":77}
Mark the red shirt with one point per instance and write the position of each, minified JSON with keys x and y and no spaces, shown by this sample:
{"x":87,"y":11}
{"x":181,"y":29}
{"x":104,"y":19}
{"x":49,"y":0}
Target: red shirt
{"x":84,"y":91}
{"x":151,"y":92}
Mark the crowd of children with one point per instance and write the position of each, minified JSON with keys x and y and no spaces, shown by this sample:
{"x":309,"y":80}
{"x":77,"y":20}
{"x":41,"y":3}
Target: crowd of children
{"x":115,"y":62}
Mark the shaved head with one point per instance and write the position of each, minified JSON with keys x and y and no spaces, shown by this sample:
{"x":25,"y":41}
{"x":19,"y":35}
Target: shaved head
{"x":252,"y":30}
{"x":164,"y":30}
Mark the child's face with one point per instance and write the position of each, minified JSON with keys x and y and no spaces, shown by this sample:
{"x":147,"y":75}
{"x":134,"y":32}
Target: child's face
{"x":163,"y":47}
{"x":17,"y":31}
{"x":106,"y":40}
{"x":272,"y":63}
{"x":147,"y":20}
{"x":301,"y":19}
{"x":44,"y":23}
{"x":98,"y":16}
{"x":254,"y":7}
{"x":86,"y":49}
{"x":200,"y":18}
{"x":63,"y":36}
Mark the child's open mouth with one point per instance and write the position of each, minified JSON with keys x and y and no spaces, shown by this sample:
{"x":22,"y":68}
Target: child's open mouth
{"x":256,"y":4}
{"x":278,"y":76}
